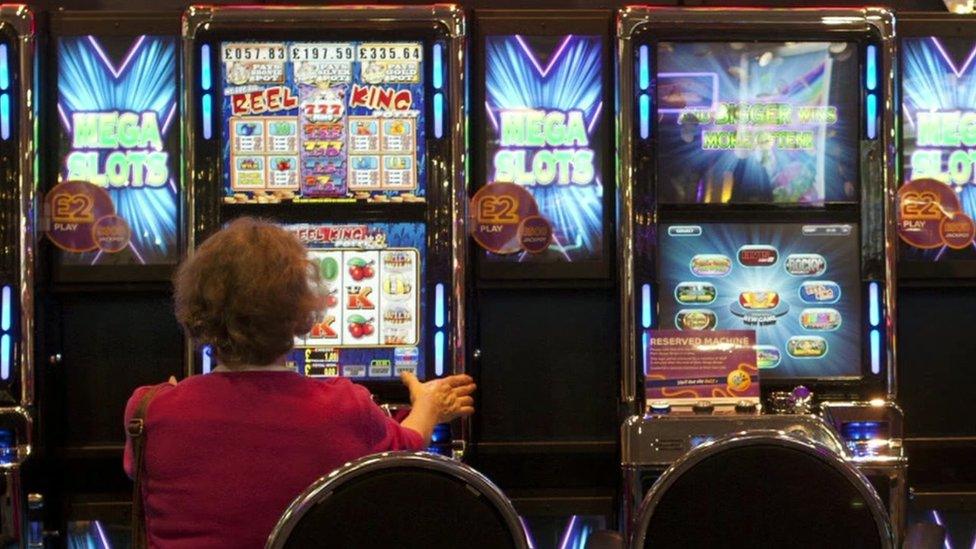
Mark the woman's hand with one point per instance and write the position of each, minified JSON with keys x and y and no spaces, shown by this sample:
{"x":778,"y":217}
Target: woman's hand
{"x":437,"y":401}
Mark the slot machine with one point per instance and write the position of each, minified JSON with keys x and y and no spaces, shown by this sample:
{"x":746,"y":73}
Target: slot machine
{"x":17,"y":223}
{"x":936,"y":266}
{"x":344,"y":125}
{"x":108,"y":242}
{"x":757,"y":177}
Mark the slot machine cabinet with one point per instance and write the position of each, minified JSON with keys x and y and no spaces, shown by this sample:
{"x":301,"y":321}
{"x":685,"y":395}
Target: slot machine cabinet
{"x":935,"y":53}
{"x":544,"y":330}
{"x":17,"y":224}
{"x":110,"y":106}
{"x":363,"y":161}
{"x":679,"y":96}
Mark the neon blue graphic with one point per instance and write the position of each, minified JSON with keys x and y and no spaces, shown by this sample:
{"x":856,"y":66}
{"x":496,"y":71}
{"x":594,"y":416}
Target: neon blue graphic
{"x":141,"y":179}
{"x":703,"y":256}
{"x":565,"y":176}
{"x":757,"y":122}
{"x":938,"y":108}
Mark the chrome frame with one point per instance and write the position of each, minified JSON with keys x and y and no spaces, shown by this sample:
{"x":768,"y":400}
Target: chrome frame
{"x":21,"y":19}
{"x":323,"y":488}
{"x":694,"y":457}
{"x":13,"y":500}
{"x":448,"y":16}
{"x":629,"y":21}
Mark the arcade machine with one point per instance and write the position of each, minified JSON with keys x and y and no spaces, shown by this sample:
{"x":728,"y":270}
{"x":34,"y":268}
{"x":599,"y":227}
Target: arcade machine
{"x":757,"y":178}
{"x":109,"y":239}
{"x":17,"y":211}
{"x":544,"y":331}
{"x":345,"y":125}
{"x":937,"y":263}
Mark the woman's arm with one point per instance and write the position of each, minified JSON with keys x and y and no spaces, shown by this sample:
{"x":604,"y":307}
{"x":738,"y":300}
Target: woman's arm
{"x":437,"y":401}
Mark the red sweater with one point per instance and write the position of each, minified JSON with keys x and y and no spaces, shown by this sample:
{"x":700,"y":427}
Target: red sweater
{"x":226,"y":453}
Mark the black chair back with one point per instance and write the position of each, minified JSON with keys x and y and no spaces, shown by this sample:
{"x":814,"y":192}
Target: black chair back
{"x":400,"y":500}
{"x":763,"y":489}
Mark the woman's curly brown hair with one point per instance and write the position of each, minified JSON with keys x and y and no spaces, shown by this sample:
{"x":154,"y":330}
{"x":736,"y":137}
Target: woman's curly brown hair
{"x":247,"y":291}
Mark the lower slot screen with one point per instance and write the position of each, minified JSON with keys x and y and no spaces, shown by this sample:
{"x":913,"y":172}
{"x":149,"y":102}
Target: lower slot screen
{"x":797,"y":285}
{"x":372,"y":326}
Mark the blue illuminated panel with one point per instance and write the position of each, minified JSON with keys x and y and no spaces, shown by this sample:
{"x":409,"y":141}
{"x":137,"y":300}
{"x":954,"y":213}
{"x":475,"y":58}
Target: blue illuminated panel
{"x":872,"y":114}
{"x":6,"y":313}
{"x":117,"y":116}
{"x":8,"y":446}
{"x":206,"y":73}
{"x":438,"y":68}
{"x":5,"y":116}
{"x":644,"y":76}
{"x":874,"y":304}
{"x":206,"y":107}
{"x":439,"y":353}
{"x":645,"y":116}
{"x":871,"y":69}
{"x":875,"y":351}
{"x":5,"y":356}
{"x":438,"y":115}
{"x":439,"y":305}
{"x":6,"y":324}
{"x":647,"y":314}
{"x":4,"y":68}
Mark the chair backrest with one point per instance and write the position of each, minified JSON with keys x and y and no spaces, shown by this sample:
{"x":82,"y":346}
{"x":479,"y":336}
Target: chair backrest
{"x":763,"y":489}
{"x":403,"y":500}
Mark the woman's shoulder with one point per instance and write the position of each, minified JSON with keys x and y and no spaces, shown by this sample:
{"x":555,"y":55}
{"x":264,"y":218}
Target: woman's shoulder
{"x":141,"y":394}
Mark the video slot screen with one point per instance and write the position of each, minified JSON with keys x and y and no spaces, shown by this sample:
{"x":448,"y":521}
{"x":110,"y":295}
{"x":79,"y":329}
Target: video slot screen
{"x":323,"y":121}
{"x":938,"y":126}
{"x":545,"y":131}
{"x":118,"y":132}
{"x":797,"y":285}
{"x":757,"y":122}
{"x":372,"y":326}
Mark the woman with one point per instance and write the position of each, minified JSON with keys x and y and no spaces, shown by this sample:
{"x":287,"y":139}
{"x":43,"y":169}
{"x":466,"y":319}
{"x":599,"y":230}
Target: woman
{"x":226,"y":453}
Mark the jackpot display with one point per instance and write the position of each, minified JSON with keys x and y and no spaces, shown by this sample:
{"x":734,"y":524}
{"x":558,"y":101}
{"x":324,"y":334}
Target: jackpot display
{"x":544,"y":102}
{"x":372,"y":277}
{"x":938,"y":126}
{"x":323,"y":121}
{"x":796,"y":285}
{"x":117,"y":107}
{"x":756,"y":122}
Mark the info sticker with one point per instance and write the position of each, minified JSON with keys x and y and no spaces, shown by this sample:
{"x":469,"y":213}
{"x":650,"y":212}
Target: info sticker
{"x":930,"y":216}
{"x":505,"y":219}
{"x":80,"y":217}
{"x":685,"y":367}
